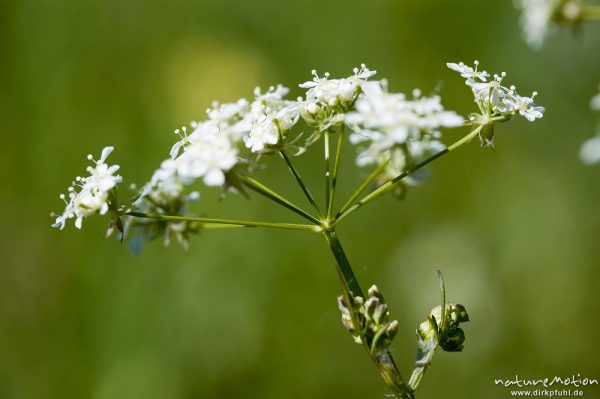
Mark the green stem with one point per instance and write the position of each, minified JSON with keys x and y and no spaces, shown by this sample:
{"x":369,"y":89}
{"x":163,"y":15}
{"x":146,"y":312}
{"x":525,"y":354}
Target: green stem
{"x":389,"y":184}
{"x":349,"y":282}
{"x":590,"y":13}
{"x":383,"y":360}
{"x":336,"y":167}
{"x":365,"y":184}
{"x":300,"y":182}
{"x":272,"y":195}
{"x":213,"y":222}
{"x":443,"y":299}
{"x":327,"y":169}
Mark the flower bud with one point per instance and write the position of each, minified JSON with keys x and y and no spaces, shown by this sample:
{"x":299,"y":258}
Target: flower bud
{"x":391,"y":329}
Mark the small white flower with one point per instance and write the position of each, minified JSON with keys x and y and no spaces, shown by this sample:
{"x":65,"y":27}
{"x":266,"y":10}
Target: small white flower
{"x":590,"y":150}
{"x":335,"y":92}
{"x":595,"y":102}
{"x":209,"y":156}
{"x":263,"y":132}
{"x":495,"y":100}
{"x":469,"y":73}
{"x":228,"y":113}
{"x":90,"y":195}
{"x":164,"y":185}
{"x":536,"y":19}
{"x":269,"y":113}
{"x":384,"y":121}
{"x":523,"y":105}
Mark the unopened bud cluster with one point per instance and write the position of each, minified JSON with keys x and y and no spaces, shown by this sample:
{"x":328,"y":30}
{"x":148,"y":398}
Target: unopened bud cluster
{"x":445,"y":330}
{"x":368,"y":321}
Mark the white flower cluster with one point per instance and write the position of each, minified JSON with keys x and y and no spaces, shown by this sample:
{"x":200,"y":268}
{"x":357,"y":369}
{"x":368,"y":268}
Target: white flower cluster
{"x":495,"y":101}
{"x":328,"y":99}
{"x":212,"y":149}
{"x":91,"y":194}
{"x":590,"y":150}
{"x":391,"y":130}
{"x":538,"y":17}
{"x":396,"y":130}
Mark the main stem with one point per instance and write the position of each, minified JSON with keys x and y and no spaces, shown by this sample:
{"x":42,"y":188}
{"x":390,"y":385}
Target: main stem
{"x":383,"y":360}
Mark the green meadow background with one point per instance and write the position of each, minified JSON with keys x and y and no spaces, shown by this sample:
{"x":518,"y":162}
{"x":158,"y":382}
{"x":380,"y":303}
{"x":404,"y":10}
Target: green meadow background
{"x":252,"y":313}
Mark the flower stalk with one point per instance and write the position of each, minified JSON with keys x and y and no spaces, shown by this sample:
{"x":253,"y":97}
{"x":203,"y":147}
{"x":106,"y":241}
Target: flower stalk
{"x":590,"y":13}
{"x":386,"y":187}
{"x":214,"y":223}
{"x":260,"y":188}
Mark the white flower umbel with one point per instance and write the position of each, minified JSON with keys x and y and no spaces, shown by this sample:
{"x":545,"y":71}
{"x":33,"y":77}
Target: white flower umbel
{"x":496,"y":101}
{"x":209,"y":155}
{"x":325,"y":97}
{"x":335,"y":91}
{"x":539,"y":17}
{"x":90,"y":195}
{"x":595,"y":102}
{"x":536,"y":19}
{"x":269,"y":118}
{"x":263,"y":132}
{"x":513,"y":103}
{"x":385,"y":121}
{"x":590,"y":150}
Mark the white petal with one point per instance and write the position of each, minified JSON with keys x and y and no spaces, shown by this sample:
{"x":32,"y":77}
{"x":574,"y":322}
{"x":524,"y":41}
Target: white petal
{"x":105,"y":153}
{"x":214,"y":177}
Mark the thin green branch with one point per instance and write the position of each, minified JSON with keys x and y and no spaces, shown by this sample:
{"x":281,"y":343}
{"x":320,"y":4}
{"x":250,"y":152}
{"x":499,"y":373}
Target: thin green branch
{"x":272,"y":195}
{"x":364,"y":185}
{"x":336,"y":167}
{"x":590,"y":13}
{"x":390,"y":183}
{"x":212,"y":223}
{"x":327,"y":169}
{"x":300,"y":182}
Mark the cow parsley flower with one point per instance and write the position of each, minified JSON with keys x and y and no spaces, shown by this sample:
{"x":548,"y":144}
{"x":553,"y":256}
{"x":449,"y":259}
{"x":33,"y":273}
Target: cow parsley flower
{"x":496,"y":101}
{"x":595,"y":102}
{"x":326,"y":99}
{"x":163,"y":194}
{"x":91,"y":194}
{"x":269,"y":118}
{"x":590,"y":150}
{"x":264,"y":132}
{"x":471,"y":74}
{"x":394,"y":129}
{"x":536,"y":19}
{"x":539,"y":16}
{"x":210,"y":155}
{"x":512,"y":103}
{"x":333,"y":92}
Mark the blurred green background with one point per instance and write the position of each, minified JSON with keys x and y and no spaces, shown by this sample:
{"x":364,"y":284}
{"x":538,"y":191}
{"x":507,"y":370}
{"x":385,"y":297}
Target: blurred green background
{"x":252,"y":313}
